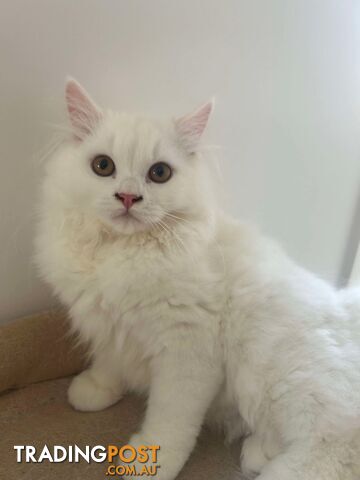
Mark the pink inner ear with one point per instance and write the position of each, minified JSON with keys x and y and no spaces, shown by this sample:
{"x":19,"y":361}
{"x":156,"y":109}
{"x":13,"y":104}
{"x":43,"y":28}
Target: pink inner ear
{"x":192,"y":126}
{"x":84,"y":114}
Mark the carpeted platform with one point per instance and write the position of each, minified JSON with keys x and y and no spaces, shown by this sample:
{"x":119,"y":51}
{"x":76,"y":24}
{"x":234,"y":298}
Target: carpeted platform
{"x":36,"y":349}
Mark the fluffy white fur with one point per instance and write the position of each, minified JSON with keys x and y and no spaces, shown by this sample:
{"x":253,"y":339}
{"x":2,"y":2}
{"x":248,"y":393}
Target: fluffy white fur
{"x":213,"y":321}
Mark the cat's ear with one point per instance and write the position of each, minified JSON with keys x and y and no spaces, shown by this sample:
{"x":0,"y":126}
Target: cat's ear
{"x":191,"y":126}
{"x":83,"y":113}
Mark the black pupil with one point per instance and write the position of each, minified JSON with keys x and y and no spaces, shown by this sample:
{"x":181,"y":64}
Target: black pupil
{"x":103,"y":164}
{"x":159,"y":171}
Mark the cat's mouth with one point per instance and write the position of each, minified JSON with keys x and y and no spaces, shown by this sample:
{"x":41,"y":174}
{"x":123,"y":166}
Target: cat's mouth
{"x":125,"y":215}
{"x":127,"y":222}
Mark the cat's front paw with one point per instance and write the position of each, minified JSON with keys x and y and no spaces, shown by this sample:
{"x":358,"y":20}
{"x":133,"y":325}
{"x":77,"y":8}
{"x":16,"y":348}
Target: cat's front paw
{"x":86,"y":393}
{"x":163,"y":463}
{"x":252,"y":457}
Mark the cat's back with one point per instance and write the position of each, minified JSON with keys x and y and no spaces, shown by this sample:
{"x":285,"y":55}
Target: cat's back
{"x":264,"y":282}
{"x":249,"y":256}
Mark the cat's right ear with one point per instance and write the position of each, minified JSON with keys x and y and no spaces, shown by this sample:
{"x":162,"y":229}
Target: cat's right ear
{"x":191,"y":127}
{"x":83,"y":113}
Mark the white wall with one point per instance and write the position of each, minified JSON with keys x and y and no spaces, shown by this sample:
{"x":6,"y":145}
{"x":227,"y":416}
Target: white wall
{"x":287,"y":79}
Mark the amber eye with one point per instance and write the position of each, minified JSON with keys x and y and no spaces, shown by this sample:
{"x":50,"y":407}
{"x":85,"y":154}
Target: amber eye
{"x":160,"y":172}
{"x":103,"y":165}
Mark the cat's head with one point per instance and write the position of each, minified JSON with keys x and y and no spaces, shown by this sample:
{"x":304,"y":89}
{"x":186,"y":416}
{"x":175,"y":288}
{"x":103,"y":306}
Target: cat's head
{"x":131,"y":172}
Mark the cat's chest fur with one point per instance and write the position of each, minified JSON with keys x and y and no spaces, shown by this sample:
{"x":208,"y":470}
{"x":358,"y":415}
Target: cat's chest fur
{"x":142,"y":285}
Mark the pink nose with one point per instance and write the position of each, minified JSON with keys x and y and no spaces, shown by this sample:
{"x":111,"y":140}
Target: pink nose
{"x":128,"y":199}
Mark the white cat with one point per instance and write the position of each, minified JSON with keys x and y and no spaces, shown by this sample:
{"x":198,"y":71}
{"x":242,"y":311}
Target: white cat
{"x":180,"y":301}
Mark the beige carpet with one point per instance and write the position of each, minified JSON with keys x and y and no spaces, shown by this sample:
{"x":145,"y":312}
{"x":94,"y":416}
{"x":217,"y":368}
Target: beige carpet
{"x":37,"y":349}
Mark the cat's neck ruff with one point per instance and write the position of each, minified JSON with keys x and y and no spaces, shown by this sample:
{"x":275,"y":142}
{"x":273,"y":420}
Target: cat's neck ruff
{"x":176,"y":237}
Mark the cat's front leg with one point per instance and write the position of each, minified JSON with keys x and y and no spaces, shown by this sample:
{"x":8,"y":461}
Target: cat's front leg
{"x":253,"y":457}
{"x":99,"y":386}
{"x":184,"y":382}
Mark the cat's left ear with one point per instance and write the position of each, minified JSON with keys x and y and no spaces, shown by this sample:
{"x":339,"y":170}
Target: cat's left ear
{"x":192,"y":126}
{"x":83,"y":112}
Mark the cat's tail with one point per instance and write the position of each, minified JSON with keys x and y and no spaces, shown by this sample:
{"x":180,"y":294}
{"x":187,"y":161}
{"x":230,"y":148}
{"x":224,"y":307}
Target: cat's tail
{"x":305,"y":461}
{"x":350,"y":298}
